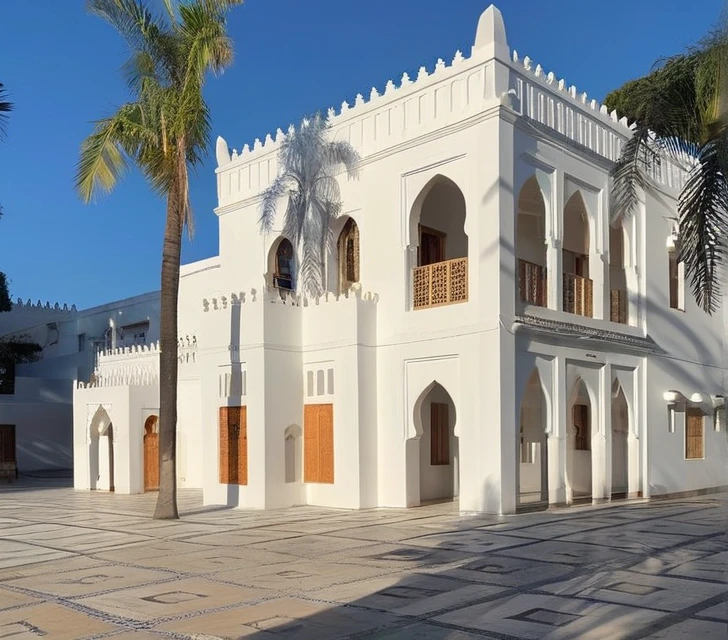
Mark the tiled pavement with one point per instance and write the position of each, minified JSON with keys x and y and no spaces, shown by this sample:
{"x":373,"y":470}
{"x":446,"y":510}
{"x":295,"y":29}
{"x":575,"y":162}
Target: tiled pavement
{"x":82,"y":565}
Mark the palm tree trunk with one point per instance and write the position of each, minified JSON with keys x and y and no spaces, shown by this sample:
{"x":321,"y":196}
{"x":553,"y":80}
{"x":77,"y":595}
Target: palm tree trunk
{"x":167,"y":500}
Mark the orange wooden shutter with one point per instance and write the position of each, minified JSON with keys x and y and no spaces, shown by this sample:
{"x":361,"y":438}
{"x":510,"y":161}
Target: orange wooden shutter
{"x":694,"y":434}
{"x":318,"y":443}
{"x":224,"y":446}
{"x":326,"y":443}
{"x":243,"y":445}
{"x":310,"y":443}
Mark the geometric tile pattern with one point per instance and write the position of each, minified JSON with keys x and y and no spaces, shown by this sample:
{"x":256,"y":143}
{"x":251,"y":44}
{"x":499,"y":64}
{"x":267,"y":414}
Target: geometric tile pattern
{"x":85,"y":565}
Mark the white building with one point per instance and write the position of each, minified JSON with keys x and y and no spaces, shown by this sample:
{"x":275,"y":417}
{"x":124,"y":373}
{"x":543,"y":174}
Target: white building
{"x":487,"y":334}
{"x":36,"y":403}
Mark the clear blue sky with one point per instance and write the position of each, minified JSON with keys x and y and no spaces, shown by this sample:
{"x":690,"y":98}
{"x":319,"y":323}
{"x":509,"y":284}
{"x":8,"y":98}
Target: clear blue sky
{"x":60,"y":66}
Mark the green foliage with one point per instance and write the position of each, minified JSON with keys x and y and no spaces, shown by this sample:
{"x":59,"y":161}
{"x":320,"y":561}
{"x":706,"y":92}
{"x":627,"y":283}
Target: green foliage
{"x":13,"y":351}
{"x":5,"y":303}
{"x":681,"y":110}
{"x":5,"y":108}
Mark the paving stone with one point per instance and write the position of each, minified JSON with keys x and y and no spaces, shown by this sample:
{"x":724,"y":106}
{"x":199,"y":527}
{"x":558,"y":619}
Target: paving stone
{"x":50,"y":621}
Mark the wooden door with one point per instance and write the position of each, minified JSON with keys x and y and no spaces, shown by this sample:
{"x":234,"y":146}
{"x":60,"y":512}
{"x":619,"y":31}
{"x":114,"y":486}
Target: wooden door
{"x":439,"y":434}
{"x":7,"y":443}
{"x":234,"y":445}
{"x":318,"y":443}
{"x":432,"y":246}
{"x":151,"y":454}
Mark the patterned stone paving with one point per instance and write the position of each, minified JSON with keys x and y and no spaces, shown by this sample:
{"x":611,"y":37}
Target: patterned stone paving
{"x":80,"y":565}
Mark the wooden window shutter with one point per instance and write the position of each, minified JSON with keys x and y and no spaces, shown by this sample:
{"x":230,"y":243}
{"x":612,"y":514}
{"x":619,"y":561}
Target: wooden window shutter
{"x":318,"y":443}
{"x":581,"y":425}
{"x":233,"y":445}
{"x":7,"y":443}
{"x":439,"y":434}
{"x":674,"y":276}
{"x":694,"y":446}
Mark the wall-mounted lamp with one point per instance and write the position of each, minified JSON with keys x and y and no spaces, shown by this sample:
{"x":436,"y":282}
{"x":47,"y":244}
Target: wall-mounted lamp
{"x":718,"y":402}
{"x":672,"y":396}
{"x":697,"y":398}
{"x":671,"y":242}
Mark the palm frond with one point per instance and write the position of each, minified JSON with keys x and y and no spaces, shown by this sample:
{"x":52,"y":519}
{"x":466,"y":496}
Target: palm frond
{"x":341,"y":152}
{"x":269,"y":202}
{"x":106,"y":152}
{"x":5,"y":108}
{"x":628,"y":174}
{"x":703,"y":223}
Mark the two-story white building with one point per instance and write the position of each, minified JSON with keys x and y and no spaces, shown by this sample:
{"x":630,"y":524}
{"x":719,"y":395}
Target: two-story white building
{"x":36,"y":398}
{"x":487,"y":334}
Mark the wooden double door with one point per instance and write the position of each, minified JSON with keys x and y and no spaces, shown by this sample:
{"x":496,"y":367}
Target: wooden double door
{"x":318,"y":443}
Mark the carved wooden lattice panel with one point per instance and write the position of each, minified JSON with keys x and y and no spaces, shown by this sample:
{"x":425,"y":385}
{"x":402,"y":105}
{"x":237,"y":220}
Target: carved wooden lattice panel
{"x":421,"y":287}
{"x":233,"y":445}
{"x":578,"y":295}
{"x":618,"y":306}
{"x":440,"y":283}
{"x":318,"y":443}
{"x":458,"y":280}
{"x":532,"y":283}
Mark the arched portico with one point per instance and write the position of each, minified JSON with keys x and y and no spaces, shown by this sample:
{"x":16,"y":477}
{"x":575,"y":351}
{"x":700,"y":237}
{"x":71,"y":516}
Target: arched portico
{"x":532,"y":468}
{"x":531,"y":259}
{"x":580,"y":420}
{"x":433,"y":464}
{"x":101,"y":451}
{"x":578,"y":295}
{"x":437,"y":233}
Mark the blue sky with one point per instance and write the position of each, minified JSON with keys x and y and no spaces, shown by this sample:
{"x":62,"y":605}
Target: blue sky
{"x":61,"y":65}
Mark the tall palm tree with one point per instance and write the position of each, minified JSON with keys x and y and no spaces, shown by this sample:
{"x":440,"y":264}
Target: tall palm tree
{"x":681,"y":110}
{"x":308,"y":163}
{"x":164,"y":130}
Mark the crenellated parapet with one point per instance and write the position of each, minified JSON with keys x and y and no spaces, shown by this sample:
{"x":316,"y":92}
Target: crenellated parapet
{"x":282,"y":297}
{"x":439,"y":96}
{"x":29,"y":306}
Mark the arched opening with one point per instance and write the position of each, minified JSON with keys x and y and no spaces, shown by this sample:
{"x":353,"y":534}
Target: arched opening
{"x":617,"y":276}
{"x":532,"y":447}
{"x":151,"y":453}
{"x":282,"y":265}
{"x":438,"y":222}
{"x":347,"y":249}
{"x":579,"y":444}
{"x":531,"y":245}
{"x":293,"y":453}
{"x":439,"y":459}
{"x":101,"y":452}
{"x":620,"y":442}
{"x":578,"y":287}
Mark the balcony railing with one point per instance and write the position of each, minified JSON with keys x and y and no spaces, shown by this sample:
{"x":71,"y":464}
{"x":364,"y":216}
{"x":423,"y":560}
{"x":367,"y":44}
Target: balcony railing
{"x":532,"y":283}
{"x":618,"y":306}
{"x":441,"y":283}
{"x":578,"y":295}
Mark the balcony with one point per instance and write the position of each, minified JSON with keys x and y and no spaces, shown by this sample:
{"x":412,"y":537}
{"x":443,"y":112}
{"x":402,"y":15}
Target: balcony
{"x":532,"y":283}
{"x":440,"y":283}
{"x":578,"y":295}
{"x":618,"y":306}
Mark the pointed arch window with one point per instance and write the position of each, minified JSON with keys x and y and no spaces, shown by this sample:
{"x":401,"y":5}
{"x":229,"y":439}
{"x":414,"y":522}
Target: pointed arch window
{"x":348,"y":255}
{"x":284,"y":276}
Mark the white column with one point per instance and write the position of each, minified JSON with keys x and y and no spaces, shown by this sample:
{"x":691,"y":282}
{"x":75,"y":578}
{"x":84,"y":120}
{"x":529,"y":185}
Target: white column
{"x":557,"y":437}
{"x":599,"y":274}
{"x":554,"y":267}
{"x":602,"y":441}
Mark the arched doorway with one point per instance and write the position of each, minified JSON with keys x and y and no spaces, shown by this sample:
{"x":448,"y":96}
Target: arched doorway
{"x":579,"y":444}
{"x":151,"y":454}
{"x":532,"y":447}
{"x":347,"y":248}
{"x":620,"y":443}
{"x":439,"y":459}
{"x":437,"y":222}
{"x":578,"y":287}
{"x":618,"y":302}
{"x":282,"y":265}
{"x":293,"y":454}
{"x":531,"y":245}
{"x":101,"y":452}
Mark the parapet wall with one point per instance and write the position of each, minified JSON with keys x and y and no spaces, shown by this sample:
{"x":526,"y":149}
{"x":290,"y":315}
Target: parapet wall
{"x":27,"y":315}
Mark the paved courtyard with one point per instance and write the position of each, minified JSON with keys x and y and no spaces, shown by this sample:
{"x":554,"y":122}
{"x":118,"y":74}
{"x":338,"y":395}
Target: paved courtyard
{"x":81,"y":565}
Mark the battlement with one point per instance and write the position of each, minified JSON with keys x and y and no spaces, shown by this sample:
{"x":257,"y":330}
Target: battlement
{"x":379,"y":119}
{"x":282,"y":297}
{"x":20,"y":306}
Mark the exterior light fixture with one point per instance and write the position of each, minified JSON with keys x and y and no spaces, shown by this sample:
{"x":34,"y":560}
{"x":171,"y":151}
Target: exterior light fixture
{"x":672,"y":396}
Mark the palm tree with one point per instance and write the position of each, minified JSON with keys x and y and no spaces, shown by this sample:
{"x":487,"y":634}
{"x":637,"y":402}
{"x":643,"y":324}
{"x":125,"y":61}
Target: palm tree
{"x":308,"y":163}
{"x":681,"y":110}
{"x":5,"y":107}
{"x":164,"y":131}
